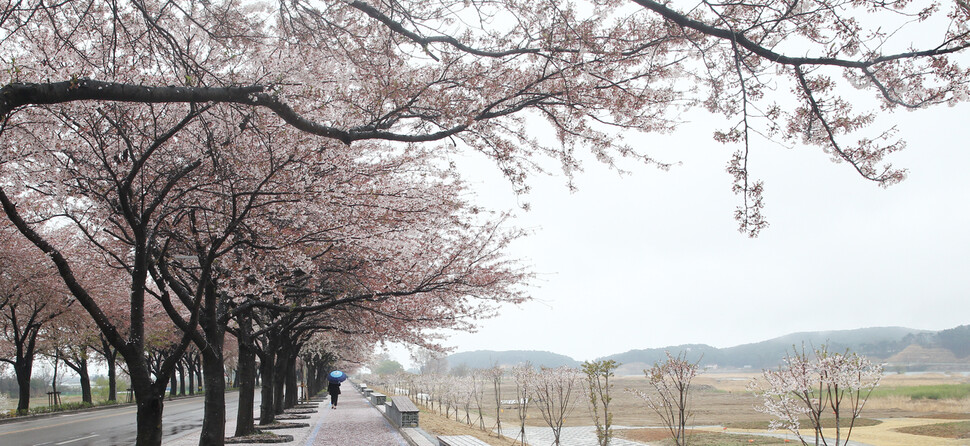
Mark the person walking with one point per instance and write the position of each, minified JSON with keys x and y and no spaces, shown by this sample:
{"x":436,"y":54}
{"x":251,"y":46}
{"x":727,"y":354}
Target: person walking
{"x":334,"y":390}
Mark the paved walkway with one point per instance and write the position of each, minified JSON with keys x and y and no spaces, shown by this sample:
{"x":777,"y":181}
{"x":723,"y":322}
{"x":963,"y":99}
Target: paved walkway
{"x":355,"y":422}
{"x":569,"y":436}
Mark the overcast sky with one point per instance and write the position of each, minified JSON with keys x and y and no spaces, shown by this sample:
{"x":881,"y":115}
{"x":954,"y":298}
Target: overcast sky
{"x":654,"y":258}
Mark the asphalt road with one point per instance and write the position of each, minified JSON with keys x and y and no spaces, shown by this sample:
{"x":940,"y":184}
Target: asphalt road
{"x":107,"y":427}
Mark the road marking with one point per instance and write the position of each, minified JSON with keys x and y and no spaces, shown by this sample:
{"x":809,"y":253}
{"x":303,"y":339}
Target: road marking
{"x":77,"y":439}
{"x":48,"y":426}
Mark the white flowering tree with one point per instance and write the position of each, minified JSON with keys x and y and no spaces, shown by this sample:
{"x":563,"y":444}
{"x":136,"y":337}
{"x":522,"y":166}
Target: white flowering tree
{"x":818,"y":386}
{"x":480,"y":382}
{"x":522,"y":376}
{"x":671,"y":380}
{"x":494,"y":375}
{"x":552,"y":390}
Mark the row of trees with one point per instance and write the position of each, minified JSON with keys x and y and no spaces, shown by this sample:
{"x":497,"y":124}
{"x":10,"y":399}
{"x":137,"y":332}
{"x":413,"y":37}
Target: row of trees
{"x":817,"y":387}
{"x":279,"y":173}
{"x":39,"y":317}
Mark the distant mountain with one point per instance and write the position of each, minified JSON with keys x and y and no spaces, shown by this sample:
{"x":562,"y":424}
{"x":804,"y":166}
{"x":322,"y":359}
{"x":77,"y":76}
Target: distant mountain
{"x":943,"y":350}
{"x":483,"y":359}
{"x":900,"y":349}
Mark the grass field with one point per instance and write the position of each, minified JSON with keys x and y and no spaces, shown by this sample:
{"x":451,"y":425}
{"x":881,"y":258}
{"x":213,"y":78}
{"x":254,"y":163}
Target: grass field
{"x":930,"y":392}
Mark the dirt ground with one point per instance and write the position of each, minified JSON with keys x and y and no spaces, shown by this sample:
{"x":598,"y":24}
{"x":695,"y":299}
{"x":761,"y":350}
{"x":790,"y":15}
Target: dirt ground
{"x":721,"y":399}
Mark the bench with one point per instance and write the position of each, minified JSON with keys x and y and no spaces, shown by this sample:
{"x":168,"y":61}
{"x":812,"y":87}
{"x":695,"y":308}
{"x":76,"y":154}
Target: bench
{"x":402,"y":412}
{"x":378,"y":399}
{"x":460,"y":440}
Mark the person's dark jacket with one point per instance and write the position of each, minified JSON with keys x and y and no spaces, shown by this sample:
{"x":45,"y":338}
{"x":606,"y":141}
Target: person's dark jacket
{"x":333,"y":388}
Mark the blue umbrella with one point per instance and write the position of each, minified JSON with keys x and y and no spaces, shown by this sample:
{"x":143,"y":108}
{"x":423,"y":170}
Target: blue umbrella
{"x":337,"y":376}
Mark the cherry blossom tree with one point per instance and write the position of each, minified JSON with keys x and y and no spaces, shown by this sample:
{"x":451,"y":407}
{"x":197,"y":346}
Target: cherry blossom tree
{"x":30,"y":304}
{"x":522,"y":376}
{"x":552,"y":390}
{"x":814,"y":385}
{"x":495,"y":375}
{"x":671,"y":380}
{"x":70,"y":341}
{"x":480,"y":381}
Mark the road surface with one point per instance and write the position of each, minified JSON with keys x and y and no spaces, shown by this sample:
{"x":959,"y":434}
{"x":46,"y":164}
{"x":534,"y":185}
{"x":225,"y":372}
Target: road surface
{"x":107,"y":427}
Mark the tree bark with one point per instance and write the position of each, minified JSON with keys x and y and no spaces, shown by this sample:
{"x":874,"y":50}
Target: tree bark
{"x":311,"y":380}
{"x":214,"y":419}
{"x":213,"y":366}
{"x":191,"y":382}
{"x":246,"y":375}
{"x":22,"y":369}
{"x":279,"y":377}
{"x":85,"y":382}
{"x":292,"y":396}
{"x":149,"y":417}
{"x":110,"y":356}
{"x":198,"y":375}
{"x":181,"y":369}
{"x":267,"y":373}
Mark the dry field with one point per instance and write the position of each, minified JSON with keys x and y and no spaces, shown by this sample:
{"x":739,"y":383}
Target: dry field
{"x":722,"y":404}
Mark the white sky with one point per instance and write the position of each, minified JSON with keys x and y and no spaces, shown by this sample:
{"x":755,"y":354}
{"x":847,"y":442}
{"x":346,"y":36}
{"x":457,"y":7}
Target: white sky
{"x":654,"y":258}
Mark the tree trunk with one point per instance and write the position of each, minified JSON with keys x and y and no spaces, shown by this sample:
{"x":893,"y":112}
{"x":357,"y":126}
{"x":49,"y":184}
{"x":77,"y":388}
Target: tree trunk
{"x":189,"y":368}
{"x":267,"y":372}
{"x":214,"y":420}
{"x":213,"y":365}
{"x":279,"y":377}
{"x":149,"y":416}
{"x":292,"y":396}
{"x":311,"y":379}
{"x":110,"y":358}
{"x":172,"y":384}
{"x":246,"y":375}
{"x":22,"y":370}
{"x":181,"y":370}
{"x":85,"y":382}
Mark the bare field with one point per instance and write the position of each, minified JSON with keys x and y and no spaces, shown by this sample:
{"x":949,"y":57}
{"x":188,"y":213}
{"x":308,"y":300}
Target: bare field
{"x":722,"y":399}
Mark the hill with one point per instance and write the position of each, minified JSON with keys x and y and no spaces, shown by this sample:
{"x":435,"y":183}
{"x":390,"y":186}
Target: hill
{"x":899,"y":348}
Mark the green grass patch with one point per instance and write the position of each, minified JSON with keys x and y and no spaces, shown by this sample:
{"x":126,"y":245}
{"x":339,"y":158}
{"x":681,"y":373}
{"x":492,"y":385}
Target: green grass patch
{"x":827,"y":423}
{"x":957,"y":430}
{"x":934,"y":392}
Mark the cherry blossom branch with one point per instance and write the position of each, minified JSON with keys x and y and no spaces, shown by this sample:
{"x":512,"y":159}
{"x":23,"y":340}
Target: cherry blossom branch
{"x":766,"y":53}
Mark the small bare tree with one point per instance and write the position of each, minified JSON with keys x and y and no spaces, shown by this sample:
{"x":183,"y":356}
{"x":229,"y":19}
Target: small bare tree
{"x":671,"y":379}
{"x":815,"y":385}
{"x":522,"y":375}
{"x":480,"y":382}
{"x":495,"y":375}
{"x":552,"y":390}
{"x":598,"y":386}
